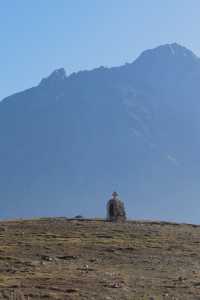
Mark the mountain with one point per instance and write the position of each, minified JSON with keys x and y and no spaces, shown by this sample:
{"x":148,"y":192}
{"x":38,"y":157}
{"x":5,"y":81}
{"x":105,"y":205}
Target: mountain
{"x":67,"y":143}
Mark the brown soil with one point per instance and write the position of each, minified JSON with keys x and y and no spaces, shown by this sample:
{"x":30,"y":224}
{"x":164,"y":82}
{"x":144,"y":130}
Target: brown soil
{"x":94,"y":259}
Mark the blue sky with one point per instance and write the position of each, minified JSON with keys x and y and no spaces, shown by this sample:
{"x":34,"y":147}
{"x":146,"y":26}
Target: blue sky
{"x":40,"y":36}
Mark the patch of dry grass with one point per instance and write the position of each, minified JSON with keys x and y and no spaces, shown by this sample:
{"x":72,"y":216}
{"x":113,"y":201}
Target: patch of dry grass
{"x":93,"y":259}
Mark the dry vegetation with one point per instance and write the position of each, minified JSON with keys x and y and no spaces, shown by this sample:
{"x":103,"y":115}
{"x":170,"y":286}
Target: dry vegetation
{"x":94,"y":259}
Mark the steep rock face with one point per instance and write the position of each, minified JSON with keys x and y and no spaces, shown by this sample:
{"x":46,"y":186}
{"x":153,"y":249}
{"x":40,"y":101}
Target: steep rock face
{"x":69,"y":141}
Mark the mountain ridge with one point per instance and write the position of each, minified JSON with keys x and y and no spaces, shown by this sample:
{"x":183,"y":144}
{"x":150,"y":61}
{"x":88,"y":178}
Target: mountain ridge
{"x":61,"y":73}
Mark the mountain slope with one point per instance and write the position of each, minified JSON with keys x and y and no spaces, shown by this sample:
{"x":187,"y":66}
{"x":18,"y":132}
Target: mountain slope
{"x":67,"y":143}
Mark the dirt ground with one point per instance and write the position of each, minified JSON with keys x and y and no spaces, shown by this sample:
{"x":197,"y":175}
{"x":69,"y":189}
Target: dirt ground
{"x":94,"y":259}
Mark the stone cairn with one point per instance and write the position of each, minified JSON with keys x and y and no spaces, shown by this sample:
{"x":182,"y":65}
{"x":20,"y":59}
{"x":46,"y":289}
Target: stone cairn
{"x":115,"y":209}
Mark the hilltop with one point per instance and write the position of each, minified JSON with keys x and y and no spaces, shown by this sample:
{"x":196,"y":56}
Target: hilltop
{"x":57,"y":258}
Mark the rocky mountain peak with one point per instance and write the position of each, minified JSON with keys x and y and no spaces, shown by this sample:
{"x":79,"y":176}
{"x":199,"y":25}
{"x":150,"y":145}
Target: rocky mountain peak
{"x":172,"y":51}
{"x":56,"y":76}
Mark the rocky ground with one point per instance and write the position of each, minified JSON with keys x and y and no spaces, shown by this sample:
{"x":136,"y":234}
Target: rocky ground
{"x":95,"y":259}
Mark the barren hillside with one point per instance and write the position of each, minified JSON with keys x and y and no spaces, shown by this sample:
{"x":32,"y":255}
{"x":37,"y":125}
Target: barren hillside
{"x":95,"y":259}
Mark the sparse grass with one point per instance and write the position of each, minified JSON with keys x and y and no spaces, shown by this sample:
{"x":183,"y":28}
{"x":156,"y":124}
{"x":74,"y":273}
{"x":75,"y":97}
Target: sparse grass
{"x":71,"y":259}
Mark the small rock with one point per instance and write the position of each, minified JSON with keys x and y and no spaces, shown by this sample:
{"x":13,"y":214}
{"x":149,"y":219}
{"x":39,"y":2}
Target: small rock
{"x":180,"y":278}
{"x":68,"y":257}
{"x":71,"y":290}
{"x":116,"y":285}
{"x":86,"y":268}
{"x":93,"y":260}
{"x":46,"y":258}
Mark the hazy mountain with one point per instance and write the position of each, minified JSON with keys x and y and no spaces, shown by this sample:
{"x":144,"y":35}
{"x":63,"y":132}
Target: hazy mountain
{"x":67,"y":143}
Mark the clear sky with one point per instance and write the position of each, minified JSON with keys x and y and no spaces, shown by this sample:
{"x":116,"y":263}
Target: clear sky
{"x":39,"y":36}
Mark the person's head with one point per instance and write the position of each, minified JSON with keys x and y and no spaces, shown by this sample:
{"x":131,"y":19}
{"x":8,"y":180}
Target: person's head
{"x":115,"y":195}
